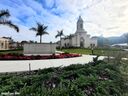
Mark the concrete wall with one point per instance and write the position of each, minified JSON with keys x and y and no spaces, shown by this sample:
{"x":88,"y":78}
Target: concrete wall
{"x":43,"y":48}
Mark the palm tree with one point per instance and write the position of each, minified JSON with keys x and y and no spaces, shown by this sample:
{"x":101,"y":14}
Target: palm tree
{"x":40,"y":29}
{"x":59,"y":34}
{"x":4,"y":14}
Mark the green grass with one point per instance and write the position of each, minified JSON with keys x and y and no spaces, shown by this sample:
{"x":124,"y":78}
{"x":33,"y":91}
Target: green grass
{"x":20,"y":51}
{"x":89,"y":51}
{"x":79,"y":51}
{"x":98,"y":51}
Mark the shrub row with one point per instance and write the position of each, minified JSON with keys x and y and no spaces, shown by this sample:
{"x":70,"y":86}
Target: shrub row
{"x":37,"y":57}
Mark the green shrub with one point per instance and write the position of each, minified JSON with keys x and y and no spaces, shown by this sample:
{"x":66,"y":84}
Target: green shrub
{"x":103,"y":79}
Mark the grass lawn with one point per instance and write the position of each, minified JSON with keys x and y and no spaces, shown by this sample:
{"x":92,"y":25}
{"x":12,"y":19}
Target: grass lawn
{"x":89,"y":51}
{"x":20,"y":51}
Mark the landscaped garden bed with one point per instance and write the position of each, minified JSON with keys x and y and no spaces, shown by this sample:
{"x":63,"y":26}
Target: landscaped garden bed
{"x":93,"y":79}
{"x":14,"y":56}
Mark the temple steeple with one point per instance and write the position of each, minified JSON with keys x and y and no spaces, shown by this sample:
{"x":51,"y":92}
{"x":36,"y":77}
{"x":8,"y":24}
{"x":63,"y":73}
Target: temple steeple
{"x":80,"y":24}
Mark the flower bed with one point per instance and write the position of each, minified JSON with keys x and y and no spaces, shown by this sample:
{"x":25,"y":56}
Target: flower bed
{"x":37,"y":57}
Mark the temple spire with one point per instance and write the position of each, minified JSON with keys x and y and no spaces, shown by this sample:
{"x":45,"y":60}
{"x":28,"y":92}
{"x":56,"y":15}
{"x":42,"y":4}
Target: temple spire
{"x":80,"y":24}
{"x":80,"y":19}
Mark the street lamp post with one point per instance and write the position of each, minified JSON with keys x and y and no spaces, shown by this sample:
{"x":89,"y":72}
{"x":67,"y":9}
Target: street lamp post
{"x":92,"y":49}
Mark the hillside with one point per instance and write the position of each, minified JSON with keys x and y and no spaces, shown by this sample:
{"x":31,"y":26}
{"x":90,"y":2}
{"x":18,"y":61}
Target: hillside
{"x":111,"y":40}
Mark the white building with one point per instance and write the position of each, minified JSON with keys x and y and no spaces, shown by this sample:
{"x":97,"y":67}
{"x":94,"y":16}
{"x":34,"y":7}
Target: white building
{"x":80,"y":38}
{"x":4,"y":43}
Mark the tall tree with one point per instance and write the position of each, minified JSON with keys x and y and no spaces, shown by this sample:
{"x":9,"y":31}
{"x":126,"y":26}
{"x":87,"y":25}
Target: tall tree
{"x":60,"y":34}
{"x":4,"y":14}
{"x":40,"y":29}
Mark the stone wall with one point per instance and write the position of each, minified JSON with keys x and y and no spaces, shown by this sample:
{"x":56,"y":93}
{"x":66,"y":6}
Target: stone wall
{"x":43,"y":48}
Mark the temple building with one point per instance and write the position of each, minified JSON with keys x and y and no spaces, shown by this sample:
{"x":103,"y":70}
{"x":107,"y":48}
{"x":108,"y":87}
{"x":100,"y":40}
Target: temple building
{"x":80,"y":38}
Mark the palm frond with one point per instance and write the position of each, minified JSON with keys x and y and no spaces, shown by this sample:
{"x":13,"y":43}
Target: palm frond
{"x":56,"y":36}
{"x":45,"y":33}
{"x":44,"y":27}
{"x":37,"y":34}
{"x":9,"y":23}
{"x":60,"y":33}
{"x":34,"y":29}
{"x":4,"y":13}
{"x":40,"y":30}
{"x":38,"y":24}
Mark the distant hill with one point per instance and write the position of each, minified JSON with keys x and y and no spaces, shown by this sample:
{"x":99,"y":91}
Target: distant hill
{"x":116,"y":40}
{"x":111,"y":40}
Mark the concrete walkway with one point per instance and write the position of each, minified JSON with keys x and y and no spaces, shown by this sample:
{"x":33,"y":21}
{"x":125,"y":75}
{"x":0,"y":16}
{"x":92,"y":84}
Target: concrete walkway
{"x":23,"y":65}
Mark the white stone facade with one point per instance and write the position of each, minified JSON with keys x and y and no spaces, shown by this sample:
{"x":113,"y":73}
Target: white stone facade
{"x":4,"y":44}
{"x":80,"y":38}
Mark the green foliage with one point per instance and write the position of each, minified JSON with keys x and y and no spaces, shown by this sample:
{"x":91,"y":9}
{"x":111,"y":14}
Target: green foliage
{"x":103,"y":79}
{"x":20,"y":51}
{"x":4,"y":14}
{"x":40,"y":30}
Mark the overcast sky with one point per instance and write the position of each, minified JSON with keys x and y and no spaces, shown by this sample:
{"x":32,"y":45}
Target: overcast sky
{"x":101,"y":17}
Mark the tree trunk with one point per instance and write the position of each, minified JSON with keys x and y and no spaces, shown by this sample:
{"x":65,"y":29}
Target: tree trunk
{"x":60,"y":43}
{"x":40,"y":38}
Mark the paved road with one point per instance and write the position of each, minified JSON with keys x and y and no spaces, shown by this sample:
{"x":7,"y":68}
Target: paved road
{"x":16,"y":66}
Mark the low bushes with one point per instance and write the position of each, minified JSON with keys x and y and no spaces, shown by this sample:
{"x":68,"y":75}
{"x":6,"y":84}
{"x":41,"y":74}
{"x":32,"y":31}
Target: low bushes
{"x":16,"y":56}
{"x":99,"y":79}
